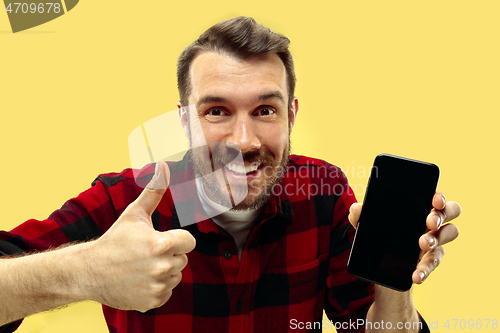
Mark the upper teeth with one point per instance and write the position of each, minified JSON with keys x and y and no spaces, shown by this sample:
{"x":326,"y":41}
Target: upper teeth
{"x":242,"y":170}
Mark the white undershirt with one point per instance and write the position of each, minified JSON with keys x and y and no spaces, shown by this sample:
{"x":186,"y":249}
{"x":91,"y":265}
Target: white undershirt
{"x":237,"y":223}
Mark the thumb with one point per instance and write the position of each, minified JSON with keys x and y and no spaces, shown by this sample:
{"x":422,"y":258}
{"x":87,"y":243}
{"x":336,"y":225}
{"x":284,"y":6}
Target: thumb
{"x":151,"y":196}
{"x":354,"y":213}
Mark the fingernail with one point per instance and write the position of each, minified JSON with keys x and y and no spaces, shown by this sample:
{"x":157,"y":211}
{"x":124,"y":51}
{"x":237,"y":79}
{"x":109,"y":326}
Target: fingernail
{"x":431,"y":240}
{"x":157,"y":180}
{"x":437,"y":219}
{"x":422,"y":276}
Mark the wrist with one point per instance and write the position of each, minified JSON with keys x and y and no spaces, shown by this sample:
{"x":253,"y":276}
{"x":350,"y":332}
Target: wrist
{"x":68,"y":276}
{"x":393,"y":306}
{"x":43,"y":281}
{"x":82,"y":274}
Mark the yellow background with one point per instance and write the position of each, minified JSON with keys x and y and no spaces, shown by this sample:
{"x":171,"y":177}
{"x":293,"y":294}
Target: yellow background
{"x":73,"y":89}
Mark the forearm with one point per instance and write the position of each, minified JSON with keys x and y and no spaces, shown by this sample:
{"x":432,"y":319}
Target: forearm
{"x":392,"y":307}
{"x":43,"y":281}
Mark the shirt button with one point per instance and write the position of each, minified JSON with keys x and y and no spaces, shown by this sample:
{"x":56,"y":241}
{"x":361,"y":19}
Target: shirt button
{"x":239,"y":306}
{"x":227,"y":255}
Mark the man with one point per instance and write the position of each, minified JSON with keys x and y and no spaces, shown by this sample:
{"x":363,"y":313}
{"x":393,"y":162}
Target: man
{"x":271,"y":264}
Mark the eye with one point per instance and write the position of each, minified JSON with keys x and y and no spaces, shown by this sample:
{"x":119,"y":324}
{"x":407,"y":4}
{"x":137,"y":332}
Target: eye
{"x":266,"y":111}
{"x":216,"y":113}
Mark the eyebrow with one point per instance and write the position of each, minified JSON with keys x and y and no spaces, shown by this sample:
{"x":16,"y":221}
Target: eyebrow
{"x":219,"y":99}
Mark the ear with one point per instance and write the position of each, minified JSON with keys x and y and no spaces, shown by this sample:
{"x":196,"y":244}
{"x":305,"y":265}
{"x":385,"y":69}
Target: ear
{"x":184,"y":120}
{"x":294,"y":109}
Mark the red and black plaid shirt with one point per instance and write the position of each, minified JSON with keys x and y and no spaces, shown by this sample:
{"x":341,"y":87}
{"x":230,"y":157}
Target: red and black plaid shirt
{"x":293,"y":264}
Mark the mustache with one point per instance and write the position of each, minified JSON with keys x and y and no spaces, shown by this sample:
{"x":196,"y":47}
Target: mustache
{"x":226,"y":155}
{"x":216,"y":155}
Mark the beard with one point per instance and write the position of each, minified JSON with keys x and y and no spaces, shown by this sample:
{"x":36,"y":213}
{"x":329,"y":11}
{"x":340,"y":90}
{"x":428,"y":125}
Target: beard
{"x":243,"y":194}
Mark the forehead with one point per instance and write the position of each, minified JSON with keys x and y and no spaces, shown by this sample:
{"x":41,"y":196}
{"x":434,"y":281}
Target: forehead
{"x":215,"y":73}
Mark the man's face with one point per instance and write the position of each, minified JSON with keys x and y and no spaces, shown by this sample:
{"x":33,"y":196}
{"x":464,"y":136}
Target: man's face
{"x":241,"y":105}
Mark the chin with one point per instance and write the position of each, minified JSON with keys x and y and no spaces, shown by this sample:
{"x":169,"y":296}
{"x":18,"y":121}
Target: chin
{"x":253,"y":201}
{"x":252,"y":205}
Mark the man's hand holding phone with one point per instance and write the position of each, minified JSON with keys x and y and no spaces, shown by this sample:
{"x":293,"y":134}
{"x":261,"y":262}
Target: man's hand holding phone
{"x":397,"y":214}
{"x":439,"y":232}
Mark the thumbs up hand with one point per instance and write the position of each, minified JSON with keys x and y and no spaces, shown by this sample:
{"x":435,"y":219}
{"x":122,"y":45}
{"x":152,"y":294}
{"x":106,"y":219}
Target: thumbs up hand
{"x":134,"y":266}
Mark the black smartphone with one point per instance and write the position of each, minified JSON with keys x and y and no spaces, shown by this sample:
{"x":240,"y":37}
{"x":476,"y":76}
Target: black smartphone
{"x":397,"y":201}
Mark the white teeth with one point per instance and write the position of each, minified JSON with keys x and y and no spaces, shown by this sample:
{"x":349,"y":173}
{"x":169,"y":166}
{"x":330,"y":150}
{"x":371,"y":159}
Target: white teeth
{"x":243,"y":170}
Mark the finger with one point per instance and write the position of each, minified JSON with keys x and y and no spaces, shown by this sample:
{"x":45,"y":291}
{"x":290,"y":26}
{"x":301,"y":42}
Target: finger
{"x":436,"y":238}
{"x":437,"y":217}
{"x":429,"y":262}
{"x":170,"y":265}
{"x":174,"y":280}
{"x":176,"y":241}
{"x":438,"y":200}
{"x":166,"y":297}
{"x":452,"y":211}
{"x":354,"y":213}
{"x":179,"y":262}
{"x":159,"y":299}
{"x":151,"y":196}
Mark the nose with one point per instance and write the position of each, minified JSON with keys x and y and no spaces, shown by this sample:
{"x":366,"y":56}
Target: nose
{"x":244,"y":134}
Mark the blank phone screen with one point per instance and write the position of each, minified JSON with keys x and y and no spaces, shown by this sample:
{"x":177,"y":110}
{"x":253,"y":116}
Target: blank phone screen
{"x":397,"y":202}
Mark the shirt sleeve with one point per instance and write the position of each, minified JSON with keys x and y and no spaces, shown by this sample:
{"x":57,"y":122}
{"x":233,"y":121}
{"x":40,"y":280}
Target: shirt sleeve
{"x":347,"y":298}
{"x":75,"y":221}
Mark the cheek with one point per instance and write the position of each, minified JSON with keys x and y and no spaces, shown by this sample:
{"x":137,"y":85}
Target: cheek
{"x":277,"y":142}
{"x":202,"y":135}
{"x":211,"y":132}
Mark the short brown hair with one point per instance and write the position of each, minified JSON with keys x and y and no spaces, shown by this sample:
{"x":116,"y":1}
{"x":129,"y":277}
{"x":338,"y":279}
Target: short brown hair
{"x":243,"y":38}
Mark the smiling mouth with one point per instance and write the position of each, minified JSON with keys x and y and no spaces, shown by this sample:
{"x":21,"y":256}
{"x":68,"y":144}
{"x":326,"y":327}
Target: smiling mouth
{"x":242,"y":170}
